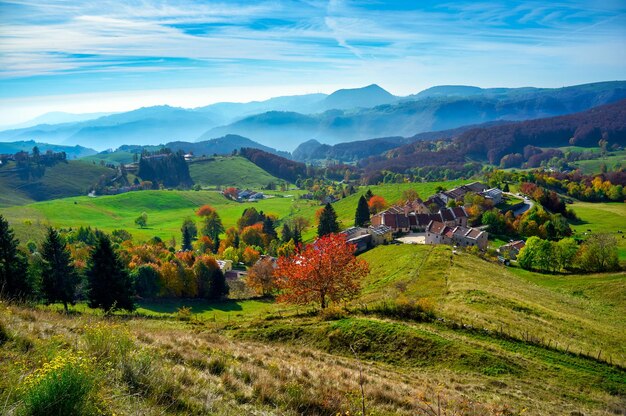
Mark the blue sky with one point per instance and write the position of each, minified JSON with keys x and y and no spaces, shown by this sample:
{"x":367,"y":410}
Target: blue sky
{"x":87,"y":56}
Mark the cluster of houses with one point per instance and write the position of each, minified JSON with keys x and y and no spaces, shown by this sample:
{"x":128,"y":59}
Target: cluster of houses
{"x":366,"y":238}
{"x":440,"y":223}
{"x":246,"y":195}
{"x":442,"y":199}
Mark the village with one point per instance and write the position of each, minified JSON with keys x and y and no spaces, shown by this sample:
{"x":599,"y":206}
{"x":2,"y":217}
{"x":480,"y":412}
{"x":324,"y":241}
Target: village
{"x":438,"y":220}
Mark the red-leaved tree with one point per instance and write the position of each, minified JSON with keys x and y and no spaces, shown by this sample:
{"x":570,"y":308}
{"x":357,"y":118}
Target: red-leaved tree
{"x":324,"y":271}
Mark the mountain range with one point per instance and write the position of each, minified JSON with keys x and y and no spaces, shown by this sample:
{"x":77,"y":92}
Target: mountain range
{"x":344,"y":116}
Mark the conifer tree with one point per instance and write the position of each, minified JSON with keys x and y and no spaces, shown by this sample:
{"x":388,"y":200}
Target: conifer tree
{"x":268,"y":228}
{"x":58,"y":275}
{"x":286,"y":233}
{"x":328,"y":221}
{"x":109,"y":284}
{"x":13,"y":264}
{"x":362,"y":216}
{"x":189,"y":232}
{"x":297,"y":237}
{"x":368,"y":195}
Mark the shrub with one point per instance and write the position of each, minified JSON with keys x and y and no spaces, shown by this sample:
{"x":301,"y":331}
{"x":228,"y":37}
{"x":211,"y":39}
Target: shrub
{"x":422,"y":310}
{"x":183,"y":313}
{"x":149,"y":380}
{"x":4,"y":333}
{"x":217,"y":366}
{"x":63,"y":386}
{"x":107,"y":341}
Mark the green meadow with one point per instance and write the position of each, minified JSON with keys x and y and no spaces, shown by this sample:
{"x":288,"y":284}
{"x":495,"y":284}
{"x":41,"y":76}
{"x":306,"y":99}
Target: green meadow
{"x":609,"y":217}
{"x":230,"y":171}
{"x":167,"y":209}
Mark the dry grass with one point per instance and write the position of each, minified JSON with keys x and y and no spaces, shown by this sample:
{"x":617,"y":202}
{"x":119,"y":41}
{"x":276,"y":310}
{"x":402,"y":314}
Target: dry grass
{"x":185,"y":368}
{"x":173,"y":367}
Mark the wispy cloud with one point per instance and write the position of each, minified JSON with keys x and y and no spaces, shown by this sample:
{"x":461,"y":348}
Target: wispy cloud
{"x":86,"y":45}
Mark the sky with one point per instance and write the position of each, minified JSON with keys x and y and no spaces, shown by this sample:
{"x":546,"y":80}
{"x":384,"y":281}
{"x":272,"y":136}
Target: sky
{"x":106,"y":55}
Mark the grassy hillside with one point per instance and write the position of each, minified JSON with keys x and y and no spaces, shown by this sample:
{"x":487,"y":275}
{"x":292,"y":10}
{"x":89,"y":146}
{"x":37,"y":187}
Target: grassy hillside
{"x":167,"y":209}
{"x":252,"y":356}
{"x":60,"y":181}
{"x":115,"y":158}
{"x":602,"y":218}
{"x":580,"y":312}
{"x":230,"y":171}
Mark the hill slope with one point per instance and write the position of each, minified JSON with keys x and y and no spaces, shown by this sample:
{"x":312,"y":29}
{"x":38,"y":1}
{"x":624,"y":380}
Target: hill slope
{"x":230,"y":171}
{"x":72,"y":152}
{"x":59,"y":181}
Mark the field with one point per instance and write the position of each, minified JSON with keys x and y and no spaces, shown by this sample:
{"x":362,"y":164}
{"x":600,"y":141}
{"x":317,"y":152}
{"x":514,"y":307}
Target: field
{"x":167,"y":209}
{"x":506,"y":342}
{"x":230,"y":171}
{"x":59,"y":181}
{"x":592,"y":166}
{"x":602,"y":218}
{"x":115,"y":158}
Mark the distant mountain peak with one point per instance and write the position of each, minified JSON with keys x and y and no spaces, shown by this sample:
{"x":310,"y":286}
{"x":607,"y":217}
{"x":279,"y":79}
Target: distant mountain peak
{"x":368,"y":96}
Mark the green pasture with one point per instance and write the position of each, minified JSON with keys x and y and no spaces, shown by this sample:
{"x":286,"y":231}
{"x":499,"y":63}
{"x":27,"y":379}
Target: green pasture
{"x":605,"y":217}
{"x":230,"y":171}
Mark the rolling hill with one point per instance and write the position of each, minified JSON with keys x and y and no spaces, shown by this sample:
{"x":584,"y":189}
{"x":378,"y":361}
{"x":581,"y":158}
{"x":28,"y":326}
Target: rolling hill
{"x":218,"y":146}
{"x":59,"y":181}
{"x":72,"y":152}
{"x":493,"y":142}
{"x":230,"y":171}
{"x":256,"y":355}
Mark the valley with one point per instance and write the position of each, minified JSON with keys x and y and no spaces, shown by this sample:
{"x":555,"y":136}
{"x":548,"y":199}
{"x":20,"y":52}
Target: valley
{"x":201,"y":246}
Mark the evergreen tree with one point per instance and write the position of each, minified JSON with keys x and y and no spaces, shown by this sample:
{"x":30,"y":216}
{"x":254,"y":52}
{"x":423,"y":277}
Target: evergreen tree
{"x":109,"y":284}
{"x":286,"y":233}
{"x":58,"y":275}
{"x":368,"y":195}
{"x":506,"y":187}
{"x":13,"y":264}
{"x":328,"y":221}
{"x":213,"y":228}
{"x":297,"y":237}
{"x":268,"y":228}
{"x":189,"y":233}
{"x":362,"y":216}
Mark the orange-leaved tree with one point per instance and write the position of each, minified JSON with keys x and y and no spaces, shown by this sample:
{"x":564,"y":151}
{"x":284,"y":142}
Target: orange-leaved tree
{"x":377,"y":203}
{"x":324,"y":271}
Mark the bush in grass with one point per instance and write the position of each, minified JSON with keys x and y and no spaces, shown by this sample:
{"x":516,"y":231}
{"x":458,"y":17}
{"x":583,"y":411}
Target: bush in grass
{"x":63,"y":386}
{"x":105,"y":341}
{"x":4,"y":333}
{"x":422,"y":310}
{"x":146,"y":378}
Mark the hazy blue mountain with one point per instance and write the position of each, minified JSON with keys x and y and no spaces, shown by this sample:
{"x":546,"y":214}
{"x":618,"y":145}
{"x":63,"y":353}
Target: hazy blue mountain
{"x":149,"y":125}
{"x":55,"y":117}
{"x":309,"y":103}
{"x":314,"y":151}
{"x":346,"y":115}
{"x":221,"y":146}
{"x":72,"y":152}
{"x":285,"y":130}
{"x":365,"y":97}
